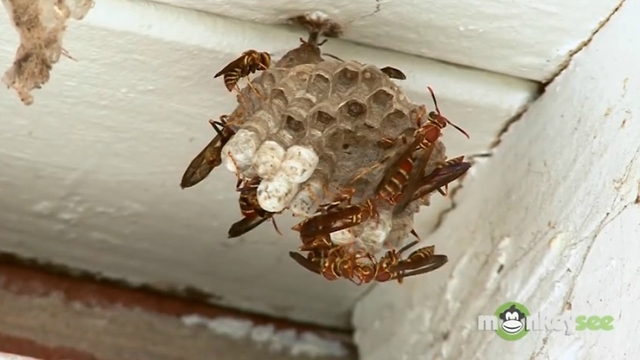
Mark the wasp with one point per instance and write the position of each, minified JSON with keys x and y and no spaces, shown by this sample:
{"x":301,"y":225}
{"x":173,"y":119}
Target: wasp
{"x":426,"y":135}
{"x":253,"y":214}
{"x":392,"y":267}
{"x":248,"y":63}
{"x":392,"y":184}
{"x":399,"y":186}
{"x":210,"y":157}
{"x":381,"y":270}
{"x":421,"y":261}
{"x":413,"y":159}
{"x":337,"y":220}
{"x":332,"y":265}
{"x":394,"y":181}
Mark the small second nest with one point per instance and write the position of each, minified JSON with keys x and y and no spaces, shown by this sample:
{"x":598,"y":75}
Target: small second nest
{"x":41,"y":26}
{"x":315,"y":126}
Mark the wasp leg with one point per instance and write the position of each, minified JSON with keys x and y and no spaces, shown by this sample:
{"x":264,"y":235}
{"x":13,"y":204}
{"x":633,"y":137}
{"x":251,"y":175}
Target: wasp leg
{"x":414,"y":233}
{"x":275,"y":226}
{"x":241,"y":98}
{"x":254,"y":89}
{"x":237,"y":171}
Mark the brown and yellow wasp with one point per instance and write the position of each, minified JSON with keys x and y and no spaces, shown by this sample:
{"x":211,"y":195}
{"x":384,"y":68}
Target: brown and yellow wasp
{"x":248,"y":63}
{"x":334,"y":263}
{"x":253,"y":214}
{"x":399,"y":186}
{"x":338,"y":219}
{"x":392,"y":267}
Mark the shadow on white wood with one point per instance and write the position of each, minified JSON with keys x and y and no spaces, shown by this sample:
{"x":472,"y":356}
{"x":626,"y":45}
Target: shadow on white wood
{"x":532,"y":40}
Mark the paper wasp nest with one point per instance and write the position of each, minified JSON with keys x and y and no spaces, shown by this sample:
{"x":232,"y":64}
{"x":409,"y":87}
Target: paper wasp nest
{"x":316,"y":125}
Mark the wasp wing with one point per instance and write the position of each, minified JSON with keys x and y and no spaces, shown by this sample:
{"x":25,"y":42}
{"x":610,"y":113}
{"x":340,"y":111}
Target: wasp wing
{"x":200,"y":167}
{"x":441,"y":177}
{"x":393,"y":73}
{"x":245,"y":225}
{"x":235,"y":64}
{"x":306,"y":263}
{"x":415,"y":176}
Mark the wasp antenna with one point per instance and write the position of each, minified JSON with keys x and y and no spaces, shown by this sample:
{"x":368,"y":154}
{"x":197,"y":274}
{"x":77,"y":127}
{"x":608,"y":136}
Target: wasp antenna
{"x":435,"y":103}
{"x":458,"y":128}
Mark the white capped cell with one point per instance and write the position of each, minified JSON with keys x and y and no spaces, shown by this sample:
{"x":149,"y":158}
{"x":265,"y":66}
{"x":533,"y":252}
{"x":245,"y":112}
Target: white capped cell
{"x":242,"y":147}
{"x":306,"y":201}
{"x":299,"y":163}
{"x":399,"y":231}
{"x":249,"y":173}
{"x":343,"y":237}
{"x":274,"y":195}
{"x":268,"y":159}
{"x":375,"y":232}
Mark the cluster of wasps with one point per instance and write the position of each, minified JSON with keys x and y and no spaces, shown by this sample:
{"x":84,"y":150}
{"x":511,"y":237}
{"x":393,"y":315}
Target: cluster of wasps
{"x":403,"y":182}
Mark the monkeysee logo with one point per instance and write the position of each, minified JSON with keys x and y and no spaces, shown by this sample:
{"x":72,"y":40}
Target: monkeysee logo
{"x":513,"y":321}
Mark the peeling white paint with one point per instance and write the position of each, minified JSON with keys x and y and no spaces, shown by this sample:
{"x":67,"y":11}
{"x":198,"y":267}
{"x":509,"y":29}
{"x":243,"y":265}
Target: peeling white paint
{"x":290,"y":341}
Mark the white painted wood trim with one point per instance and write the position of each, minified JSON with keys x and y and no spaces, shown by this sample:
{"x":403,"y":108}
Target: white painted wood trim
{"x":552,"y":221}
{"x":90,"y":171}
{"x":526,"y":39}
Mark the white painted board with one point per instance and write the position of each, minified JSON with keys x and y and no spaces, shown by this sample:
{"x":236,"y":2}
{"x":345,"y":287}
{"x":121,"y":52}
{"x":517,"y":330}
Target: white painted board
{"x":551,"y":221}
{"x":522,"y":38}
{"x":90,"y":171}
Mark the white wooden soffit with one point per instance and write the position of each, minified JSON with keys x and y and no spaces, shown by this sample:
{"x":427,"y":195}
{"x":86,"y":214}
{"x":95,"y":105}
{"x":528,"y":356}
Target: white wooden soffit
{"x":90,"y":171}
{"x":522,"y":38}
